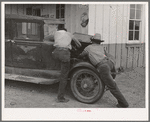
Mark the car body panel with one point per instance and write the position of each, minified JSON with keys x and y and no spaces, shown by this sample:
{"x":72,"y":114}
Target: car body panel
{"x":28,"y":56}
{"x":82,"y":64}
{"x":30,"y":79}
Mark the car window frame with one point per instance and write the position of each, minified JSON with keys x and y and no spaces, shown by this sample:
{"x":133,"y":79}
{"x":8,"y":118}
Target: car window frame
{"x":13,"y":28}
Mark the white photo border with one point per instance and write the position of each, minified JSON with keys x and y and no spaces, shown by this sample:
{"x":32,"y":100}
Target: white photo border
{"x":96,"y":114}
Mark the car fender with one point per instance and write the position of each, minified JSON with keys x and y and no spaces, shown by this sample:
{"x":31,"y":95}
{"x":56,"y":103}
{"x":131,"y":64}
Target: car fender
{"x":83,"y":64}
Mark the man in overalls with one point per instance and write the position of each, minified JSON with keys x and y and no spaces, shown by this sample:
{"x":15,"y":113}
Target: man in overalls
{"x":105,"y":64}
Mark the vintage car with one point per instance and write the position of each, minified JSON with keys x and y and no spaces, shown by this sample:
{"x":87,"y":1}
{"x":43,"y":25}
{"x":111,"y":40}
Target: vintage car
{"x":28,"y":58}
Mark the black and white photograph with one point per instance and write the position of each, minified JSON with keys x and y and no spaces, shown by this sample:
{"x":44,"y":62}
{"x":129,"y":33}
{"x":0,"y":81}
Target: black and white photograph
{"x":74,"y":60}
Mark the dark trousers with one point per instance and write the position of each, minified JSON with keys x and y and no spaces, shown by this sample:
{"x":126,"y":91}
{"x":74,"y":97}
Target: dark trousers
{"x":104,"y":70}
{"x":63,"y":55}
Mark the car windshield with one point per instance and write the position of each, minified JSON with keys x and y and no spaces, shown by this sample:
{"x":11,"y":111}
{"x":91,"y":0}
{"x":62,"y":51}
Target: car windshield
{"x":27,"y":30}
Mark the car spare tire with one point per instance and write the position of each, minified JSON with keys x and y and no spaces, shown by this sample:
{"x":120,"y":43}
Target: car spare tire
{"x":86,"y":85}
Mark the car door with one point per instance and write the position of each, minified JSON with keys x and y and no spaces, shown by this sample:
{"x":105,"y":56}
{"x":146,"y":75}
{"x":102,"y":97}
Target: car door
{"x":27,"y":44}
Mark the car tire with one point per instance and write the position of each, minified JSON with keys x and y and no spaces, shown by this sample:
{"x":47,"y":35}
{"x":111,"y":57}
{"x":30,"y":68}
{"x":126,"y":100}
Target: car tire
{"x":86,"y":86}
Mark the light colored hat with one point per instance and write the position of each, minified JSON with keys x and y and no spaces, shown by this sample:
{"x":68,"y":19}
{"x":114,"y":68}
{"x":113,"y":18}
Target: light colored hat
{"x":97,"y":37}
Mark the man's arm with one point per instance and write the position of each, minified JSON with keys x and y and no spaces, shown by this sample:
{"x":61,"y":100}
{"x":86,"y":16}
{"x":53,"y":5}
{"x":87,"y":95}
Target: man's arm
{"x":78,"y":44}
{"x":50,"y":36}
{"x":83,"y":54}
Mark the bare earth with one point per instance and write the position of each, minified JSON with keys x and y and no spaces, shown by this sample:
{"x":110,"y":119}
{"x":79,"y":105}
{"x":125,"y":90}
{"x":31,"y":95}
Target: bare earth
{"x":28,"y":95}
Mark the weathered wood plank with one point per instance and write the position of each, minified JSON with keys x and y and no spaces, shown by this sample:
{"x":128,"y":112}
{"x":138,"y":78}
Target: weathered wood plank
{"x":128,"y":52}
{"x":105,"y":26}
{"x":141,"y":56}
{"x":112,"y":49}
{"x":124,"y":39}
{"x":91,"y":28}
{"x":118,"y":55}
{"x":20,"y":9}
{"x":99,"y":19}
{"x":142,"y":28}
{"x":25,"y":8}
{"x":144,"y":57}
{"x":73,"y":18}
{"x":106,"y":19}
{"x":78,"y":18}
{"x":7,"y":8}
{"x":135,"y":57}
{"x":67,"y":17}
{"x":119,"y":34}
{"x":52,"y":11}
{"x":83,"y":10}
{"x":14,"y":9}
{"x":113,"y":23}
{"x":130,"y":57}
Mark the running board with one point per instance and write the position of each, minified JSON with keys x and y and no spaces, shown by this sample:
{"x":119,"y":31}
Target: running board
{"x":30,"y":79}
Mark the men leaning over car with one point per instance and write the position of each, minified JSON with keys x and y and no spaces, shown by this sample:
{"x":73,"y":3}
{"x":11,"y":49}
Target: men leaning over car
{"x":104,"y":63}
{"x":62,"y":44}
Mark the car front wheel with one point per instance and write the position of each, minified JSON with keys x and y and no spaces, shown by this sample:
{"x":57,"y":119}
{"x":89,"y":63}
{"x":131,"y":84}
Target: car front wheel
{"x":86,"y":86}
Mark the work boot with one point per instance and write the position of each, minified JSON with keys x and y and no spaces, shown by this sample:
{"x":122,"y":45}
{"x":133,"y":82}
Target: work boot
{"x":121,"y":106}
{"x":64,"y":100}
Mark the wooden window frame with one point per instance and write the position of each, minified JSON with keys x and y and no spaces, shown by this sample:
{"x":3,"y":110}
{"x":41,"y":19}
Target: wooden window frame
{"x":140,"y":26}
{"x":34,"y":11}
{"x":60,"y":11}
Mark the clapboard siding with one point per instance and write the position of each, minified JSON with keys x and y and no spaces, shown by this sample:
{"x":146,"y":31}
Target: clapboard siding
{"x":112,"y":22}
{"x":99,"y":19}
{"x":124,"y":38}
{"x":134,"y":55}
{"x":92,"y":26}
{"x":113,"y":30}
{"x":119,"y":33}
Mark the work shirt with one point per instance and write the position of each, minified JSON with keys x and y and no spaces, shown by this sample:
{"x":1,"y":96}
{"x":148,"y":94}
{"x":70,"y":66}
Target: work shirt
{"x":63,"y":39}
{"x":95,"y":53}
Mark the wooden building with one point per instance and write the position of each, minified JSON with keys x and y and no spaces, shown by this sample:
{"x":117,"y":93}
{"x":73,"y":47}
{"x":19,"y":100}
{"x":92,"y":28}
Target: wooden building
{"x":122,"y":26}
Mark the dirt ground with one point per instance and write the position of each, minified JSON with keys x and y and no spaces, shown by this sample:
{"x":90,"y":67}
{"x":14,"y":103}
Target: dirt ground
{"x":28,"y":95}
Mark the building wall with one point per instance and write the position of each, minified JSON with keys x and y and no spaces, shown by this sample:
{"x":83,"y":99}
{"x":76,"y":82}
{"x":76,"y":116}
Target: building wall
{"x":112,"y":22}
{"x":73,"y":13}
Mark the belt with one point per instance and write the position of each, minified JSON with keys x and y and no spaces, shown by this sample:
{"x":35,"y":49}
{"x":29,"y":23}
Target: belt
{"x":62,"y":48}
{"x":102,"y":62}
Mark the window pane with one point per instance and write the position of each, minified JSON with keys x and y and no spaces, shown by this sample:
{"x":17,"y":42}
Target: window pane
{"x":130,"y":35}
{"x":62,"y":6}
{"x":132,"y":6}
{"x":57,"y":14}
{"x":62,"y":13}
{"x":29,"y":31}
{"x":28,"y":11}
{"x":132,"y":14}
{"x":34,"y":29}
{"x":24,"y":28}
{"x":131,"y":24}
{"x":138,"y":14}
{"x":136,"y":36}
{"x":137,"y":25}
{"x":139,"y":6}
{"x":57,"y":7}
